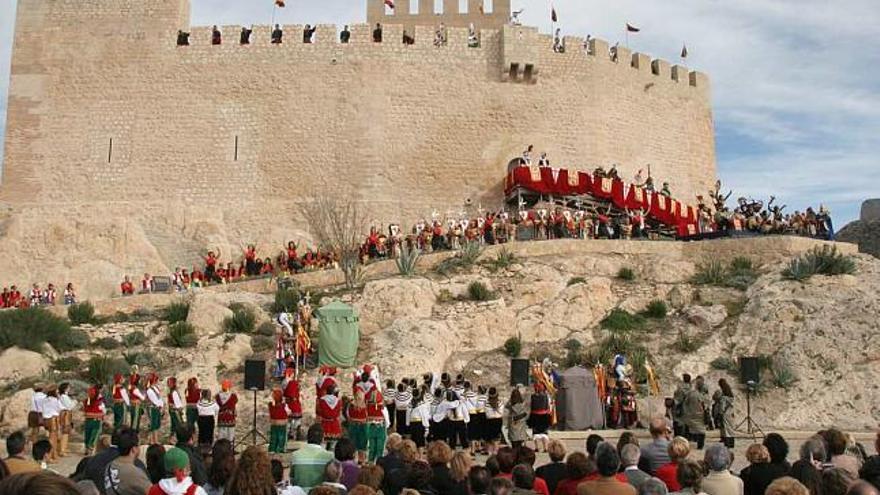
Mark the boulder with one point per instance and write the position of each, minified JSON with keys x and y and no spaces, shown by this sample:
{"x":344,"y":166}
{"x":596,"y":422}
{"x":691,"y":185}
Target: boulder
{"x":14,"y":411}
{"x":384,"y":301}
{"x":16,"y":364}
{"x":206,"y":314}
{"x":706,"y":316}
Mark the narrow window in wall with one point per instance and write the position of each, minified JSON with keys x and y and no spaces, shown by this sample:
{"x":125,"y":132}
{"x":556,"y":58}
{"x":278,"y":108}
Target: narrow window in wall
{"x":514,"y":70}
{"x":488,"y":6}
{"x":462,"y":6}
{"x":235,"y":157}
{"x":438,"y":6}
{"x":527,"y":75}
{"x":413,"y":7}
{"x":110,"y":151}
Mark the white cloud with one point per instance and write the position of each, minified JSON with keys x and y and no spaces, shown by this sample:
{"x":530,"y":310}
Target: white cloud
{"x":793,"y":81}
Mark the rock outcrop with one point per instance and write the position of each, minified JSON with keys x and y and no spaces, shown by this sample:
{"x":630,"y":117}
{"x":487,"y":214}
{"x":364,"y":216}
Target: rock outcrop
{"x":16,"y":364}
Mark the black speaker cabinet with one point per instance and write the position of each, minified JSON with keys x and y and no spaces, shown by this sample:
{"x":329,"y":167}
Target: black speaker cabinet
{"x":519,"y":372}
{"x":255,"y":374}
{"x":748,"y":370}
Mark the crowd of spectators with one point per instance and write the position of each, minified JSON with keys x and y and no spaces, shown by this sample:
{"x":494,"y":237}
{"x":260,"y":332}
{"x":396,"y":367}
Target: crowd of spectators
{"x":11,"y":297}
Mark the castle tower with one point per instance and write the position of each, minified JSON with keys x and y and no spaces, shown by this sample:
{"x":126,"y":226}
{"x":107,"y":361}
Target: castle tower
{"x":412,"y":13}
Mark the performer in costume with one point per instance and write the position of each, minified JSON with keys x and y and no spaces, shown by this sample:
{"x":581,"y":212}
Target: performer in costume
{"x":94,"y":410}
{"x":377,"y":421}
{"x":65,"y":420}
{"x":155,"y":407}
{"x":540,"y":415}
{"x":136,"y":398}
{"x":278,"y":413}
{"x":193,"y":394}
{"x":458,"y":421}
{"x":329,"y":412}
{"x":494,"y":421}
{"x":227,"y":401}
{"x":51,"y":413}
{"x":477,"y":411}
{"x":402,"y":403}
{"x":357,"y":416}
{"x":176,"y":405}
{"x":438,"y":421}
{"x":290,"y":386}
{"x":418,"y":418}
{"x":120,"y":401}
{"x":35,"y":415}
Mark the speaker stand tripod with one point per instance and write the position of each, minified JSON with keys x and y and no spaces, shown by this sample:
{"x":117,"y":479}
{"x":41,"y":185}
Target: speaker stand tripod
{"x":255,"y":432}
{"x":751,"y":425}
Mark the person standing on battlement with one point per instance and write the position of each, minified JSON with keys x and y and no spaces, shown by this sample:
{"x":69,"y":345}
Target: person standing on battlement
{"x":246,"y":36}
{"x":665,"y":191}
{"x":544,"y":161}
{"x":308,"y":32}
{"x":377,"y":33}
{"x":216,"y":37}
{"x":277,"y":34}
{"x":345,"y":35}
{"x":182,"y":38}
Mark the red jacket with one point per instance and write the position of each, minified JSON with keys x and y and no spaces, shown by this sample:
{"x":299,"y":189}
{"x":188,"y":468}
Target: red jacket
{"x":278,"y":412}
{"x":329,"y":416}
{"x":192,"y":396}
{"x":291,"y":396}
{"x":226,"y":416}
{"x":94,"y":409}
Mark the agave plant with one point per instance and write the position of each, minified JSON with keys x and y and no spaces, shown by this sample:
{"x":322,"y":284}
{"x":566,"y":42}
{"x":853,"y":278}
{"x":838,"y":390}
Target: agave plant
{"x":407,"y":260}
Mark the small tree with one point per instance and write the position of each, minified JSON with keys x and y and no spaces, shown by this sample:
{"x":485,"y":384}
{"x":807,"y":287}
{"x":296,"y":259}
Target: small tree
{"x":338,"y":224}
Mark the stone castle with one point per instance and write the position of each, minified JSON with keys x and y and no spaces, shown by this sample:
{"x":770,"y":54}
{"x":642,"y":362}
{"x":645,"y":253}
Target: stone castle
{"x":127,"y":153}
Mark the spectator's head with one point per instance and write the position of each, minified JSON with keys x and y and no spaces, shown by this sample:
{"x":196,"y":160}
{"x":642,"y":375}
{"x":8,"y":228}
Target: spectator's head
{"x":607,"y":460}
{"x":323,"y":490}
{"x":630,"y":455}
{"x":757,"y":454}
{"x":492,"y":465}
{"x":556,"y":451}
{"x":506,"y":459}
{"x":808,"y":475}
{"x":479,"y":480}
{"x":439,"y":453}
{"x":253,"y":473}
{"x":500,"y":486}
{"x":685,"y":377}
{"x":836,"y":481}
{"x":409,"y":451}
{"x":362,"y":490}
{"x":523,"y":477}
{"x":577,"y":466}
{"x":862,"y":487}
{"x":870,"y":471}
{"x":277,"y":470}
{"x":176,"y":463}
{"x":813,"y":449}
{"x":653,"y":486}
{"x":315,"y":434}
{"x":222,"y":463}
{"x":593,"y":441}
{"x":333,"y":472}
{"x":786,"y":486}
{"x":420,"y":476}
{"x":155,"y":463}
{"x":777,"y":447}
{"x":87,"y":487}
{"x":394,"y":442}
{"x":625,"y":438}
{"x":184,"y":433}
{"x":460,"y":466}
{"x":679,"y":448}
{"x":15,"y":443}
{"x":38,"y":483}
{"x":344,"y":450}
{"x":371,"y":475}
{"x":40,"y":450}
{"x":690,"y":475}
{"x":127,"y":443}
{"x":836,"y":441}
{"x":525,"y":455}
{"x":659,"y":428}
{"x":717,"y":457}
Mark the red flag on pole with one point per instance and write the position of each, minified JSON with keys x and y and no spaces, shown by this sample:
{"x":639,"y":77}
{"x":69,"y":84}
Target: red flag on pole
{"x":632,"y":29}
{"x":390,"y":4}
{"x":279,"y":3}
{"x":553,"y":14}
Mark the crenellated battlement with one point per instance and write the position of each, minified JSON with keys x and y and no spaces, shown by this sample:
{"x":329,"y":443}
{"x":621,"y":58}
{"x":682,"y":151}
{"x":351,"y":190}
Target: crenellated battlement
{"x":481,"y":14}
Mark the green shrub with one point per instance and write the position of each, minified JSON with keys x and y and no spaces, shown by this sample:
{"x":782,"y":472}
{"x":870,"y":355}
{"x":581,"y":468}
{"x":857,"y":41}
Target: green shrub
{"x":445,"y":297}
{"x":739,"y":274}
{"x":81,"y":313}
{"x":626,"y":274}
{"x":407,"y":260}
{"x":243,"y":319}
{"x":576,"y":280}
{"x":134,"y":338}
{"x":262,"y":343}
{"x":477,"y":291}
{"x":819,"y":261}
{"x":30,"y":328}
{"x":513,"y":347}
{"x":656,"y":309}
{"x":573,"y":345}
{"x":741,"y":264}
{"x":108,"y":343}
{"x":686,"y":343}
{"x":267,"y":328}
{"x":710,"y":273}
{"x":175,"y":312}
{"x":621,"y":320}
{"x":181,"y":334}
{"x":67,"y":364}
{"x":286,"y":300}
{"x":620,"y":343}
{"x":140,"y":358}
{"x":782,"y":372}
{"x":503,"y":260}
{"x":100,"y":369}
{"x":463,"y":260}
{"x":724,"y":363}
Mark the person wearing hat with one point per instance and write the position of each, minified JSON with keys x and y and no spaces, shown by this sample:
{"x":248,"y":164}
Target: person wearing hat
{"x":278,"y":414}
{"x":179,"y":483}
{"x":135,"y":397}
{"x":290,"y":385}
{"x":227,"y":401}
{"x":155,"y":407}
{"x":176,"y":405}
{"x":193,"y":394}
{"x":94,"y":411}
{"x":120,"y":401}
{"x":35,"y":415}
{"x":51,"y":415}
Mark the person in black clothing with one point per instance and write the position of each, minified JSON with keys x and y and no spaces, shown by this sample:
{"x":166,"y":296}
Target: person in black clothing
{"x":778,"y":449}
{"x":156,"y":463}
{"x":182,"y":38}
{"x":439,"y":455}
{"x":94,"y":470}
{"x":554,"y":472}
{"x":308,"y":32}
{"x":185,"y":436}
{"x":480,"y":479}
{"x":246,"y":35}
{"x":345,"y":35}
{"x":277,"y":35}
{"x":377,"y":33}
{"x":758,"y":475}
{"x":408,"y":39}
{"x":420,"y":479}
{"x":216,"y":37}
{"x":870,"y":471}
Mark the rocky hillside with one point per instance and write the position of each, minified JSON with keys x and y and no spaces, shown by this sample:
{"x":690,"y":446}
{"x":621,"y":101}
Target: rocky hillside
{"x":682,"y":307}
{"x":866,"y":230}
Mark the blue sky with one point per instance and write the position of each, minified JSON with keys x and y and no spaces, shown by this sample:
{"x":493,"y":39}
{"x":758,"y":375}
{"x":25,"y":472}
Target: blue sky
{"x":795,"y":83}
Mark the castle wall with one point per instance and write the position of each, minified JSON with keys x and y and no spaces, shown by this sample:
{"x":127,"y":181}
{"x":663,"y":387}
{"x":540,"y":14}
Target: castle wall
{"x":408,"y":129}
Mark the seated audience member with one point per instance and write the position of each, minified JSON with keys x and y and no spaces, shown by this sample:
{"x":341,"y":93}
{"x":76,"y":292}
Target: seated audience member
{"x":758,"y":475}
{"x":253,"y":474}
{"x":122,"y":476}
{"x":525,"y":455}
{"x":439,"y":457}
{"x":344,"y":452}
{"x":501,"y":486}
{"x":371,"y":476}
{"x":689,"y":476}
{"x":837,"y":442}
{"x":479,"y":480}
{"x":720,"y":481}
{"x":577,"y":470}
{"x":42,"y":453}
{"x":50,"y":295}
{"x":679,"y":449}
{"x":523,"y":478}
{"x":178,"y":482}
{"x":656,"y":453}
{"x":786,"y":486}
{"x":653,"y":486}
{"x":777,"y":447}
{"x":155,"y":463}
{"x":629,"y":457}
{"x":862,"y":488}
{"x":17,"y":462}
{"x":127,"y":288}
{"x":870,"y":471}
{"x":38,"y":483}
{"x":836,"y":481}
{"x":69,"y":295}
{"x":554,"y":472}
{"x":607,"y":463}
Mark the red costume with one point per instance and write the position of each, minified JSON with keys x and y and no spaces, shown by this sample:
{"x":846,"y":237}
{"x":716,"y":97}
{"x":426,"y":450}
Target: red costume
{"x":227,"y":402}
{"x":127,"y":288}
{"x":193,"y":392}
{"x":278,"y":410}
{"x":329,"y":411}
{"x":93,"y":406}
{"x":291,"y":394}
{"x":118,"y":388}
